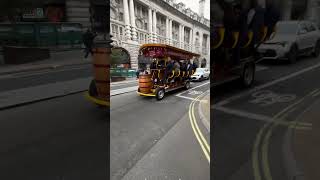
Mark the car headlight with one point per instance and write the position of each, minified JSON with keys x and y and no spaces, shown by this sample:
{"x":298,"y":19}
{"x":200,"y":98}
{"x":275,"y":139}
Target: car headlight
{"x":285,"y":44}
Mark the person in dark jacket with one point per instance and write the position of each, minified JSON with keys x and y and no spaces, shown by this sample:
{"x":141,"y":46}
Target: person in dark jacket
{"x":168,"y":70}
{"x":255,"y":21}
{"x":88,"y":38}
{"x":241,"y":27}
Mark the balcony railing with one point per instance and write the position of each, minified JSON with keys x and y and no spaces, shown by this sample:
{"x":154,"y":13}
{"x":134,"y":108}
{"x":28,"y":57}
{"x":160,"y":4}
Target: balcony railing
{"x":142,"y":36}
{"x":176,"y":43}
{"x":117,"y":30}
{"x":204,"y":51}
{"x":161,"y":39}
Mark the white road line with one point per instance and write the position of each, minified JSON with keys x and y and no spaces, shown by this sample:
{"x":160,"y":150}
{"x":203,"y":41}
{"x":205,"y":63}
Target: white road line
{"x":228,"y":100}
{"x":243,"y":113}
{"x":190,"y":98}
{"x":194,"y":88}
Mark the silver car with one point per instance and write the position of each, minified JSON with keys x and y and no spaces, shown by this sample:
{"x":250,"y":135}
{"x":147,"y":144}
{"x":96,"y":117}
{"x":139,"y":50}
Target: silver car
{"x":291,"y":39}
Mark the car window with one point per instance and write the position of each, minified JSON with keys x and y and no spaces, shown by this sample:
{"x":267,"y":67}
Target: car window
{"x":286,"y":28}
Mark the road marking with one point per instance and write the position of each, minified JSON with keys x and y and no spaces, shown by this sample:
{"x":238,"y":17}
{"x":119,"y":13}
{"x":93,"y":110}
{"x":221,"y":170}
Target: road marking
{"x":228,"y":100}
{"x":190,"y":98}
{"x":197,"y":132}
{"x":194,"y":88}
{"x":254,"y":116}
{"x":316,"y":93}
{"x":265,"y":142}
{"x":267,"y":97}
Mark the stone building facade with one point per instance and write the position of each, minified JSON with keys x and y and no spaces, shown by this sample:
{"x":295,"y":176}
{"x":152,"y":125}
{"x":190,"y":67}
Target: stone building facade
{"x":137,"y":22}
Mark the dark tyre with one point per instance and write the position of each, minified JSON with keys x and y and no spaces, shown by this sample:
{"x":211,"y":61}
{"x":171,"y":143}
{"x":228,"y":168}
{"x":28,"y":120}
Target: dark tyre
{"x":316,"y":50}
{"x":93,"y":89}
{"x":201,"y":78}
{"x":160,"y":94}
{"x":187,"y":85}
{"x":247,"y":78}
{"x":293,"y":54}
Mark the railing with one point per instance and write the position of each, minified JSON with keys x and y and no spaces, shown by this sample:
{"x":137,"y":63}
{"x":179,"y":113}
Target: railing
{"x":142,"y":36}
{"x":175,"y":43}
{"x":197,"y":49}
{"x":121,"y":72}
{"x":204,"y":51}
{"x":117,"y":30}
{"x":161,"y":39}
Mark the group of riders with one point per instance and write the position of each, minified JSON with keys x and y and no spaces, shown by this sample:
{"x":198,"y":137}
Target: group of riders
{"x":239,"y":19}
{"x":170,"y":70}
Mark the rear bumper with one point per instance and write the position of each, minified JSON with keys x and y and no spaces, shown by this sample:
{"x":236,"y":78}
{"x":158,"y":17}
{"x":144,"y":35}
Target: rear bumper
{"x":144,"y":94}
{"x":96,"y":100}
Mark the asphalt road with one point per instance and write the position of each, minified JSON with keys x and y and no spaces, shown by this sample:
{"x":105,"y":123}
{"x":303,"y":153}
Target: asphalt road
{"x":35,"y":78}
{"x":250,"y":124}
{"x":59,"y":139}
{"x":63,"y":138}
{"x":152,"y":139}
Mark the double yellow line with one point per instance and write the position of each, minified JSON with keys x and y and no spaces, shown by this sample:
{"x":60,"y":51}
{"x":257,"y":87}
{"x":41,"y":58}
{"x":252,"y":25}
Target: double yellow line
{"x":268,"y":129}
{"x":197,"y":132}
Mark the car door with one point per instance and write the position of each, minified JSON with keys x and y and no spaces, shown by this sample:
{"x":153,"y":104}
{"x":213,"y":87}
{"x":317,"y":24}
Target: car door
{"x":206,"y":74}
{"x":302,"y":37}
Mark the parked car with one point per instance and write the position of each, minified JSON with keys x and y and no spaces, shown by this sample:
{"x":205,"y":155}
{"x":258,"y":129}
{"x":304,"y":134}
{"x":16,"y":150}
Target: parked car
{"x":201,"y":74}
{"x":291,"y":39}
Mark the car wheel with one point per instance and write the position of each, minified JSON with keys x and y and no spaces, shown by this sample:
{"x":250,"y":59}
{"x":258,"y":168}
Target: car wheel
{"x":160,"y":94}
{"x":201,"y":78}
{"x":248,"y":75}
{"x":187,"y":85}
{"x":316,"y":49}
{"x":293,"y":53}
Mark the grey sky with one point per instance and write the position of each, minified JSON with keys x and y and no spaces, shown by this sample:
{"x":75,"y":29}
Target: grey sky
{"x":194,"y":6}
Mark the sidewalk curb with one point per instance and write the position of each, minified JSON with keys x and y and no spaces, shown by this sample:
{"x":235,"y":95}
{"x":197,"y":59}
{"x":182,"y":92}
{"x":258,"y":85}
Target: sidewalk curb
{"x":23,"y":96}
{"x":122,"y":82}
{"x":45,"y":67}
{"x":204,"y":120}
{"x":41,"y":99}
{"x":292,"y":169}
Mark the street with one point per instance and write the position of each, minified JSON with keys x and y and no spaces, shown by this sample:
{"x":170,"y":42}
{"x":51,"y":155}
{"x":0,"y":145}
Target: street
{"x":58,"y":138}
{"x":251,"y":126}
{"x":152,"y":139}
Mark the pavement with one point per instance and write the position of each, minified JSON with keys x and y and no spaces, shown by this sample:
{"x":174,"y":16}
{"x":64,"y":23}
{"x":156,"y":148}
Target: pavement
{"x":148,"y":140}
{"x":57,"y":60}
{"x":251,"y":124}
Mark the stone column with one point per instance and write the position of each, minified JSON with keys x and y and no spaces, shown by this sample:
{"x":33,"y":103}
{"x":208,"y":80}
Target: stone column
{"x":170,"y":32}
{"x":150,"y":25}
{"x":155,"y":26}
{"x":194,"y":40}
{"x":191,"y":40}
{"x":167,"y":31}
{"x":200,"y":41}
{"x":182,"y":37}
{"x":126,"y":20}
{"x":180,"y":33}
{"x":133,"y":21}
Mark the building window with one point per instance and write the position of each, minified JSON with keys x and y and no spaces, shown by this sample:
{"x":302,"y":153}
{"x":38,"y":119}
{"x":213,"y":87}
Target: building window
{"x":141,"y":14}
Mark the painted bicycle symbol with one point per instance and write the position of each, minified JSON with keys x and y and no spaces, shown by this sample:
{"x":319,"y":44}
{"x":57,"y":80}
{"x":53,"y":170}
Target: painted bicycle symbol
{"x":195,"y":92}
{"x":266,"y":98}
